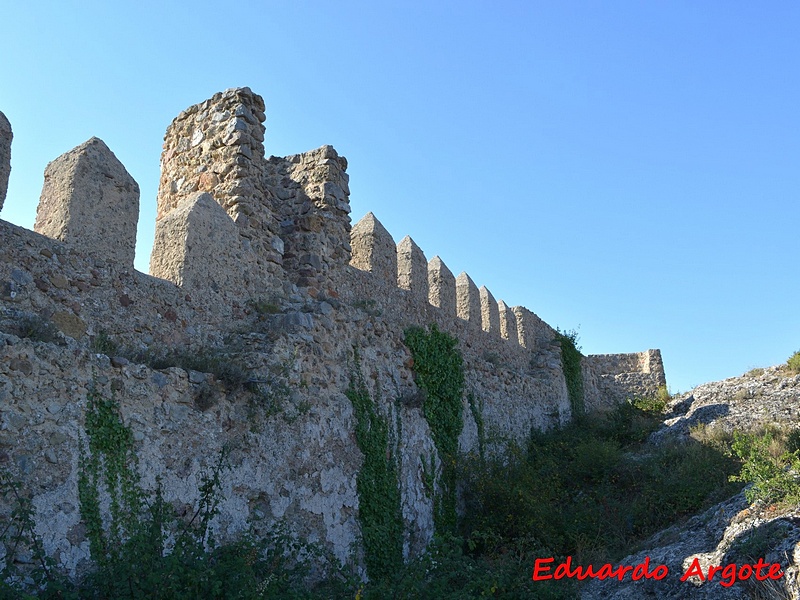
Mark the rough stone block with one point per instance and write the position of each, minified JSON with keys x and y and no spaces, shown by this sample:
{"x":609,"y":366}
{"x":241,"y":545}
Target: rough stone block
{"x":90,"y":201}
{"x":374,"y":250}
{"x":412,"y":270}
{"x":441,"y":286}
{"x":468,"y":302}
{"x":490,"y":317}
{"x":5,"y":156}
{"x":197,"y":246}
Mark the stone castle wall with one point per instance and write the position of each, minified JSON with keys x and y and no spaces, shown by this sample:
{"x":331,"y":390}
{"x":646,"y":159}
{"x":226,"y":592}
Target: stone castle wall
{"x":255,"y":260}
{"x":5,"y":156}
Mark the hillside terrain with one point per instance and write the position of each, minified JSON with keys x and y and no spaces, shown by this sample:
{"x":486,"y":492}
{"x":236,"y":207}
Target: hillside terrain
{"x":763,"y":401}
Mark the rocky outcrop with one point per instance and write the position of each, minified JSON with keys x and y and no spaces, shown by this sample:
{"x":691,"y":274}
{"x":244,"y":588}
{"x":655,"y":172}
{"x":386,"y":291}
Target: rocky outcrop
{"x":732,"y":532}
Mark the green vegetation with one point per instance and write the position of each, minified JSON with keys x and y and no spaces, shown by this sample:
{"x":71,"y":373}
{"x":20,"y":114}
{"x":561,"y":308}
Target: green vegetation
{"x":369,"y":306}
{"x":377,"y":483}
{"x":571,"y":364}
{"x":771,"y":462}
{"x":224,"y":365}
{"x":591,"y":490}
{"x":104,"y":344}
{"x":142,"y":550}
{"x":266,"y":306}
{"x":110,"y":465}
{"x":794,"y":363}
{"x":656,"y":404}
{"x":439,"y":371}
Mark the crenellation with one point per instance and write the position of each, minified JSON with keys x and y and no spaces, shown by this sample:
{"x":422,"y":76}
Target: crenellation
{"x":507,"y":322}
{"x":197,"y":246}
{"x":490,"y":315}
{"x":526,"y":327}
{"x":441,"y":286}
{"x":5,"y":156}
{"x":255,"y":262}
{"x":412,"y":270}
{"x":90,"y":201}
{"x":374,"y":250}
{"x":468,"y":302}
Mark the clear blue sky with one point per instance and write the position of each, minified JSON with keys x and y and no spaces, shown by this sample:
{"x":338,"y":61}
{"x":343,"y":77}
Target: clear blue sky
{"x":628,"y":168}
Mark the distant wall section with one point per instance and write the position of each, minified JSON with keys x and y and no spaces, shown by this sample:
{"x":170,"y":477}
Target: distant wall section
{"x":5,"y":156}
{"x":614,"y":378}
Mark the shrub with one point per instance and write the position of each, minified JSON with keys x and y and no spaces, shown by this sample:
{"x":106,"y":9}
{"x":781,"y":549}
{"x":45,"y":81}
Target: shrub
{"x":774,"y":474}
{"x":794,"y":363}
{"x":591,"y":489}
{"x":38,"y":329}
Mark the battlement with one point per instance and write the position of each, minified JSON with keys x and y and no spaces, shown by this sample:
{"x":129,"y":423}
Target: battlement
{"x":431,"y":286}
{"x":90,"y":201}
{"x":254,"y":260}
{"x":232,"y":224}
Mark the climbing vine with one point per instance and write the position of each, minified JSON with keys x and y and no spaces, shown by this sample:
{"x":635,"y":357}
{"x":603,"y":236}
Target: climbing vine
{"x":571,"y":364}
{"x":109,"y":464}
{"x":439,"y":370}
{"x":476,"y":409}
{"x":377,"y":483}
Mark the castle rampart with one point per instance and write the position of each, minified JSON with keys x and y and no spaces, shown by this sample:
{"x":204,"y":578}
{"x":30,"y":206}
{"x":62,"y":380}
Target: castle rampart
{"x":254,"y":262}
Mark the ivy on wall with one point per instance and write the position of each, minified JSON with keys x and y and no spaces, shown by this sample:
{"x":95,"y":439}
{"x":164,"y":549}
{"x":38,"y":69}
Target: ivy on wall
{"x":439,"y":370}
{"x":571,"y":365}
{"x":377,"y":483}
{"x":108,"y":465}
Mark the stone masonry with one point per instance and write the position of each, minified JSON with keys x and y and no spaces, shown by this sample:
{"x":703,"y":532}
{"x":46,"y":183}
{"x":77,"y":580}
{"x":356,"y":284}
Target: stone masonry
{"x":5,"y":156}
{"x":89,"y":200}
{"x":254,"y":261}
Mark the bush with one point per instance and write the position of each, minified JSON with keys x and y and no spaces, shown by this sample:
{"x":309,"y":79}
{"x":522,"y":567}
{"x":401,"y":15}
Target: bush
{"x":591,"y":490}
{"x":771,"y":469}
{"x":794,"y":363}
